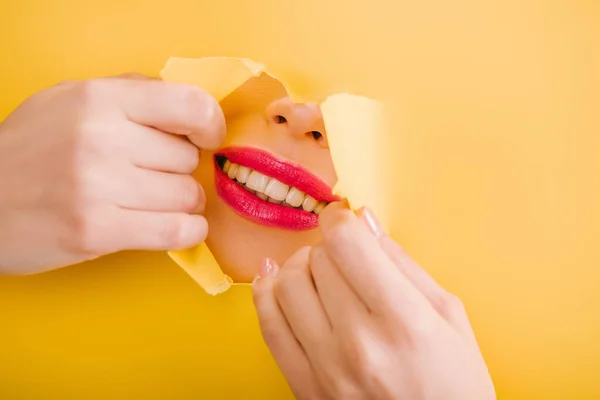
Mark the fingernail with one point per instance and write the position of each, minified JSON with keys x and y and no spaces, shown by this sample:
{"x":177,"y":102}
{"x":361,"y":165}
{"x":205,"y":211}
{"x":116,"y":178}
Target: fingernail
{"x":372,"y":222}
{"x":268,"y":267}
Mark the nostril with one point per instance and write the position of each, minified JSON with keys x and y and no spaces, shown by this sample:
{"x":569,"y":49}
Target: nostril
{"x":280,"y":119}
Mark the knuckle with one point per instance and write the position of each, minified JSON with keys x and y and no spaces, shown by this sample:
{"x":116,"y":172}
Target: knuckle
{"x":284,"y":284}
{"x":421,"y":329}
{"x":363,"y":365}
{"x":183,"y":231}
{"x":337,"y":386}
{"x":169,"y":235}
{"x":94,"y":145}
{"x":90,"y":90}
{"x":259,"y":297}
{"x":192,"y":195}
{"x":280,"y":286}
{"x":353,"y":350}
{"x":449,"y":303}
{"x":92,"y":135}
{"x":339,"y":235}
{"x":201,"y":114}
{"x":87,"y":229}
{"x":368,"y":371}
{"x":316,"y":254}
{"x":192,"y":159}
{"x":299,"y":260}
{"x":195,"y":101}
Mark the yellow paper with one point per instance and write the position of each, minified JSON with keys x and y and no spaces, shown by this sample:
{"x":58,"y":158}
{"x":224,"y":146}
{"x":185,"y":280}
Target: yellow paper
{"x":355,"y":126}
{"x":219,"y":76}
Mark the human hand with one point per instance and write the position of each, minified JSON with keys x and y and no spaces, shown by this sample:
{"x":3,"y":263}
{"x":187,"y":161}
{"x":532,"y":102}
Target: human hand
{"x":356,"y":318}
{"x":93,"y":167}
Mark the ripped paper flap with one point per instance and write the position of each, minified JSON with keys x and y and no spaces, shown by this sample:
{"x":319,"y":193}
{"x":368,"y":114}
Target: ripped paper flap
{"x":356,"y":131}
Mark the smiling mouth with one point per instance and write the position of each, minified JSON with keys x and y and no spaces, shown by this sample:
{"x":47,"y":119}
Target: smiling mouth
{"x":269,"y":191}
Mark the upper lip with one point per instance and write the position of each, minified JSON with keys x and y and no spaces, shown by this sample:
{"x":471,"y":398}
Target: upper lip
{"x":286,"y":172}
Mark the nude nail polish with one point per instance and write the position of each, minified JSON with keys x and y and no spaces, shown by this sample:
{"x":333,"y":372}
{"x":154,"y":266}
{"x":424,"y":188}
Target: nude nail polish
{"x":372,"y":222}
{"x":268,"y":267}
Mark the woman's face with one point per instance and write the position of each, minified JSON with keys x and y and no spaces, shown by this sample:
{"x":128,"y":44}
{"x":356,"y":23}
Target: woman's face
{"x":266,"y":185}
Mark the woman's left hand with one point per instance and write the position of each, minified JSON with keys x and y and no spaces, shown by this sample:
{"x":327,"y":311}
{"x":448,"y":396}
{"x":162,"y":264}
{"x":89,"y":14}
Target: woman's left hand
{"x":355,"y":318}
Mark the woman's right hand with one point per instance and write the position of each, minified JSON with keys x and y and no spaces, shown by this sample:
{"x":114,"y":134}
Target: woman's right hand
{"x":354,"y":317}
{"x":94,"y":167}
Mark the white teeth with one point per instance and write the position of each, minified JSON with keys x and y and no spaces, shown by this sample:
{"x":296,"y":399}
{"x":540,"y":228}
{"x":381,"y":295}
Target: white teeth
{"x":294,"y":197}
{"x":232,"y":171}
{"x":319,"y":208}
{"x":242,"y":174}
{"x":257,"y":181}
{"x":276,"y":190}
{"x":309,"y":204}
{"x":270,"y":189}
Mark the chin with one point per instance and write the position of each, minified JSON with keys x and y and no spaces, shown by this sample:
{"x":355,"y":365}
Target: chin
{"x":240,"y":245}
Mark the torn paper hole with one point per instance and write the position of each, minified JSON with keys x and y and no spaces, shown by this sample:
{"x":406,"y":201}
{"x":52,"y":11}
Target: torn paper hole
{"x":355,"y":131}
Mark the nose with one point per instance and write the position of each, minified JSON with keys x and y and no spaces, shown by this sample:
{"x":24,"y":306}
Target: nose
{"x":303,"y":121}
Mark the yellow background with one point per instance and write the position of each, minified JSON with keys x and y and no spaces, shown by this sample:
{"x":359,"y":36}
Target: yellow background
{"x":497,"y":137}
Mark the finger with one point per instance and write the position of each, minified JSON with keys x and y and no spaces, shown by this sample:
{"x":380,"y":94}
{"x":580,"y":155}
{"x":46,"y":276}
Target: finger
{"x":417,"y":275}
{"x":161,"y":151}
{"x":300,"y":303}
{"x":445,"y":303}
{"x":276,"y":332}
{"x":160,"y":191}
{"x":344,"y":309}
{"x":368,"y":270}
{"x":173,"y":107}
{"x":145,"y":230}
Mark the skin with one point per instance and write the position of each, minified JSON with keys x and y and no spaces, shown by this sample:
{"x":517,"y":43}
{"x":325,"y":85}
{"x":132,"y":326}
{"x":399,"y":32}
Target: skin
{"x":354,"y":317}
{"x":94,"y":167}
{"x":238,"y":244}
{"x":77,"y":184}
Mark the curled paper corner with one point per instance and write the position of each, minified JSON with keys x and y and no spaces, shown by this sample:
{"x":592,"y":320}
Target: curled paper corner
{"x":356,"y":128}
{"x":200,"y":264}
{"x":219,"y":76}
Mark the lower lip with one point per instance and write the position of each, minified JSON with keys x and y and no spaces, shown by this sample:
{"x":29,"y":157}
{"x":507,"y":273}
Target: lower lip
{"x":260,"y":211}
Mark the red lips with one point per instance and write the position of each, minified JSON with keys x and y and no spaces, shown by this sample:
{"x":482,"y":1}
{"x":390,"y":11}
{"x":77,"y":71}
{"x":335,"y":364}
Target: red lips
{"x":263,"y":212}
